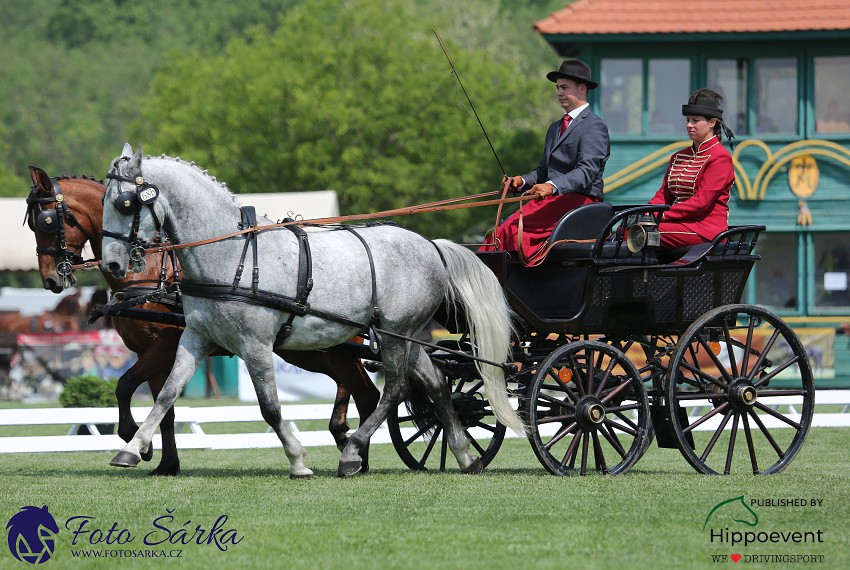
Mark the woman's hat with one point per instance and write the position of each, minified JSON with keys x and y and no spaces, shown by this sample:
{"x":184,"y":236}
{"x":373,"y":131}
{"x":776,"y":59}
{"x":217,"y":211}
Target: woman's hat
{"x":704,"y":103}
{"x":573,"y":69}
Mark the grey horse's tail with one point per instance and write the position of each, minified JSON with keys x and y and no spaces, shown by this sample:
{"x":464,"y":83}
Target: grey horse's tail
{"x":488,"y":321}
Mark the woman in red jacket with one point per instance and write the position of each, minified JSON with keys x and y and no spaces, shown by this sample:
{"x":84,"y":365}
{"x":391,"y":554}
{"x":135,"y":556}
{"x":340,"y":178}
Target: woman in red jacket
{"x":698,"y":179}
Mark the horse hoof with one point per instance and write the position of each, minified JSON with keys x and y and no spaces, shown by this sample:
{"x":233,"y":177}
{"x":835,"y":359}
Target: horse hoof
{"x":304,"y":476}
{"x":125,"y":459}
{"x":474,"y":468}
{"x":147,"y":455}
{"x":165,"y":471}
{"x":349,"y":468}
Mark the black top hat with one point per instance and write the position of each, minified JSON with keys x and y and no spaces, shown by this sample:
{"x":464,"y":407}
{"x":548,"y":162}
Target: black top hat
{"x":573,"y":69}
{"x":704,"y":103}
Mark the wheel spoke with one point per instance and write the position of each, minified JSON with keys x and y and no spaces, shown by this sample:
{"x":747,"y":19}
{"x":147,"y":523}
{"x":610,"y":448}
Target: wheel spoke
{"x":585,"y":445}
{"x":703,"y":375}
{"x":604,"y":380}
{"x":558,"y":402}
{"x":715,"y":360}
{"x":763,"y":354}
{"x":750,"y":446}
{"x":430,"y":446}
{"x":613,"y":440}
{"x":473,"y":442}
{"x":748,"y":346}
{"x":572,"y":451}
{"x":625,"y":418}
{"x":730,"y":348}
{"x":598,"y":455}
{"x":767,"y":435}
{"x":716,"y":436}
{"x":422,"y":431}
{"x":489,"y":427}
{"x":561,"y":433}
{"x":577,"y":375}
{"x":767,"y":377}
{"x":731,"y":448}
{"x":614,"y":392}
{"x":562,"y":385}
{"x":556,"y":419}
{"x":620,"y":427}
{"x":777,"y":415}
{"x":704,"y":418}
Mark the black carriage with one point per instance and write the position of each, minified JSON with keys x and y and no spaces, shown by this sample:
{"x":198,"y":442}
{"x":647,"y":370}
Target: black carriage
{"x":617,"y":344}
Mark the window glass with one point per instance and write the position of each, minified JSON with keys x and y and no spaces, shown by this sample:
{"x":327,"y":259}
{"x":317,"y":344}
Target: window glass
{"x":832,"y":265}
{"x":776,"y":95}
{"x":729,"y":78}
{"x":776,"y":273}
{"x":669,"y":88}
{"x":832,"y":94}
{"x":621,"y":93}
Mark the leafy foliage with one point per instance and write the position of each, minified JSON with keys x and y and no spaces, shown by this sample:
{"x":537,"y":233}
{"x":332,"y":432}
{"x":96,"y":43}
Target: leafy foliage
{"x":88,"y":391}
{"x":280,"y":95}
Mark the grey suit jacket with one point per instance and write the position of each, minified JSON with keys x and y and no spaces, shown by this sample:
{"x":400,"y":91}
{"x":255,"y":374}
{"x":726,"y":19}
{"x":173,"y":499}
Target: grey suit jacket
{"x":574,"y":162}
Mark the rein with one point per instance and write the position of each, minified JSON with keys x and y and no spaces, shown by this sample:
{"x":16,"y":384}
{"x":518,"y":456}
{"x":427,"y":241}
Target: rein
{"x":440,"y":206}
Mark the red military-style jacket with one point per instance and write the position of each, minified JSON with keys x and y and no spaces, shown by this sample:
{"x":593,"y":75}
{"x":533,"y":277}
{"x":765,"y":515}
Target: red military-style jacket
{"x":697,"y":187}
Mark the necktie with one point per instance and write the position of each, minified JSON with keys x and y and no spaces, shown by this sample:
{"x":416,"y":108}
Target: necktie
{"x":565,"y":124}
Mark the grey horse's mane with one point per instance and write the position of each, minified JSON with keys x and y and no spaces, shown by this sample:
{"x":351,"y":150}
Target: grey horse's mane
{"x":194,"y":166}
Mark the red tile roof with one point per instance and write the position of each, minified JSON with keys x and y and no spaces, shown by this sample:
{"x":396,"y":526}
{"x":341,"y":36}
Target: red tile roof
{"x":679,"y":16}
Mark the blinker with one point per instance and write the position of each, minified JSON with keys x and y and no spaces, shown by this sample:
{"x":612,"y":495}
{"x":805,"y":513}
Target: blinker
{"x":46,"y":222}
{"x":126,"y":203}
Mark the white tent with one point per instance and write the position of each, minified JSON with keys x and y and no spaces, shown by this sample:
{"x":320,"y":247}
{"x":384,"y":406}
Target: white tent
{"x":17,"y":242}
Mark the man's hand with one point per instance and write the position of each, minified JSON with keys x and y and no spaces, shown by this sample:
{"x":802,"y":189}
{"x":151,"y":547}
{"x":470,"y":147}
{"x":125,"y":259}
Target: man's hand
{"x":511,"y":184}
{"x":540,"y":191}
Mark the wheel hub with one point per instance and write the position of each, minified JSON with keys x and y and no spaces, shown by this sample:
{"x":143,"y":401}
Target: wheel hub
{"x":742,"y":395}
{"x":590,"y":412}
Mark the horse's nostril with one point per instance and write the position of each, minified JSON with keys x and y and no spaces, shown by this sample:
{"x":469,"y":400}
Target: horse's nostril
{"x":113,"y":267}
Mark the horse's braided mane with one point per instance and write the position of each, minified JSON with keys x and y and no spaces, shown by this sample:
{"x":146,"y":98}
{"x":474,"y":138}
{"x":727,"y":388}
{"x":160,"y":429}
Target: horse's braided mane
{"x":74,"y":177}
{"x":194,"y":166}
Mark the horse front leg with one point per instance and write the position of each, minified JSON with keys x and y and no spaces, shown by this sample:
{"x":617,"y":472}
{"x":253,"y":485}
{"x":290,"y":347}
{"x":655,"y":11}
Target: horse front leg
{"x":258,"y":361}
{"x":191,"y":350}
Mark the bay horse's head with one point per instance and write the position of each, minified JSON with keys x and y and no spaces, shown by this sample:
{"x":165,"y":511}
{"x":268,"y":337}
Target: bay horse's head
{"x":62,"y":224}
{"x":130,"y":218}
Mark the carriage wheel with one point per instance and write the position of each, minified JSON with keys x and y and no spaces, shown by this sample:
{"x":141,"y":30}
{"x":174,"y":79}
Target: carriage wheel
{"x":588,"y":398}
{"x":418,"y":434}
{"x":765,"y":389}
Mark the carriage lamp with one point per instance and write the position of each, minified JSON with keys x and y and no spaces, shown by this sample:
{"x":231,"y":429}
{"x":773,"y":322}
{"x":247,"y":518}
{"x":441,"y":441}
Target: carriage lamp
{"x":643,"y":234}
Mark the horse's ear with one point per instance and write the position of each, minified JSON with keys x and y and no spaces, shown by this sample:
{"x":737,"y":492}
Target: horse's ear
{"x":138,"y":157}
{"x":41,"y":179}
{"x":127,"y":151}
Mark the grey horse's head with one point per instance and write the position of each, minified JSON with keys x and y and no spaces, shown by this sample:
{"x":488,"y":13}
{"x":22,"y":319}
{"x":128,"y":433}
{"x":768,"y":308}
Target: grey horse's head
{"x":130,"y":219}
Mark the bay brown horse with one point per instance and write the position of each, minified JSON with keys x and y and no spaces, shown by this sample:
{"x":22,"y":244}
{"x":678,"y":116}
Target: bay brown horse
{"x":155,"y":343}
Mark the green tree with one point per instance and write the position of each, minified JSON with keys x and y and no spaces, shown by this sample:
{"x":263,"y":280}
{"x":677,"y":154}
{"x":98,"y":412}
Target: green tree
{"x":355,"y":97}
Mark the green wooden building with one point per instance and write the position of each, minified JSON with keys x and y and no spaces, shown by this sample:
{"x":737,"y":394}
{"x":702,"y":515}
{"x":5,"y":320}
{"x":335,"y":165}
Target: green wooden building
{"x":783,"y":68}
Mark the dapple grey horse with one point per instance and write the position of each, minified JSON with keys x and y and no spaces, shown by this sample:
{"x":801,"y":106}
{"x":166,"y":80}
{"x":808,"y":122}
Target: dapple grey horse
{"x":383,"y":276}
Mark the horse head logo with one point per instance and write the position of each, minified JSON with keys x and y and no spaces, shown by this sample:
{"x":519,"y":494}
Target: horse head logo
{"x":735,"y":508}
{"x":31,"y":534}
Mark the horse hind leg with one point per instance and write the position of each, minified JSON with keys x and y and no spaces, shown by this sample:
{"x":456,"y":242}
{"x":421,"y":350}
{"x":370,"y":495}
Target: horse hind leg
{"x":423,"y":371}
{"x":394,"y":355}
{"x":261,"y":369}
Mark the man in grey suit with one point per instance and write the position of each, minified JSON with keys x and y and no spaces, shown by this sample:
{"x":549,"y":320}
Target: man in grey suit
{"x":570,"y":173}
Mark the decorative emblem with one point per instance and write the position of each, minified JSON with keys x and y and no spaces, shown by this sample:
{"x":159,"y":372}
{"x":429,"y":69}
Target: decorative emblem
{"x":803,"y":176}
{"x":126,"y":203}
{"x":139,"y":180}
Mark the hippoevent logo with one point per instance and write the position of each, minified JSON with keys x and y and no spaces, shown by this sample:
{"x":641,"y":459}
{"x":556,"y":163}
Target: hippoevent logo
{"x":732,"y":524}
{"x":32,"y":534}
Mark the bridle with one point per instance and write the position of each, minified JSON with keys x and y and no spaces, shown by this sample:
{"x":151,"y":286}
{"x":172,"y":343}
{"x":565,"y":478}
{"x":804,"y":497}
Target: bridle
{"x":130,"y":202}
{"x":52,"y":221}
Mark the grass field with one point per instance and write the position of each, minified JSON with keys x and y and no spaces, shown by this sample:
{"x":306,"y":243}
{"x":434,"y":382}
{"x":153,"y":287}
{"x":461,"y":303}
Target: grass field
{"x":513,"y":516}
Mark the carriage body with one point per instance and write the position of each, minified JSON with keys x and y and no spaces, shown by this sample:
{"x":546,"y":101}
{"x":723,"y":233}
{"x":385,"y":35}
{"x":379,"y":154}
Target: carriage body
{"x":617,"y":347}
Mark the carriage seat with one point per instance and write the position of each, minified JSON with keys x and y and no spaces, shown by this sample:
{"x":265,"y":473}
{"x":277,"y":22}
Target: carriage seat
{"x":720,"y":247}
{"x":585,"y":224}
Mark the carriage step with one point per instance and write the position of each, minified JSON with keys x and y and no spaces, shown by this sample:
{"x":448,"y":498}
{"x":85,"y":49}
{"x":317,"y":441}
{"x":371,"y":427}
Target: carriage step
{"x":665,"y":436}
